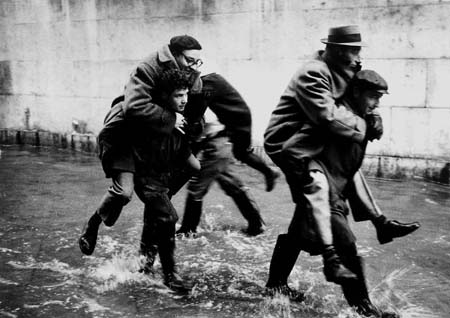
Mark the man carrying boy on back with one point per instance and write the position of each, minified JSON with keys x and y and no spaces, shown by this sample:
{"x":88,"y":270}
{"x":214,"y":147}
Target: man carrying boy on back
{"x":339,"y":160}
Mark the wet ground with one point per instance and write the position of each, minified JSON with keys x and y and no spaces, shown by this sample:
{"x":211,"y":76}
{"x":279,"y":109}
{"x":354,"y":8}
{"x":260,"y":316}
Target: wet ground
{"x":45,"y":198}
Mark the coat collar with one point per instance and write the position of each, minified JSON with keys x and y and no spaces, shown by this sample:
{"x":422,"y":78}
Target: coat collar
{"x":165,"y":56}
{"x":337,"y":67}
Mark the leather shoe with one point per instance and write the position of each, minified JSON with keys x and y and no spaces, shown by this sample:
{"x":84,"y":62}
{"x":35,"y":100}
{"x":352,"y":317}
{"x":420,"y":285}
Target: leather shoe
{"x":387,"y":230}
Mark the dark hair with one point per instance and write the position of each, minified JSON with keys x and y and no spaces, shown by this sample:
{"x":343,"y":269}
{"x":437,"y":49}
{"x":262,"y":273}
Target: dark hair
{"x":180,"y":43}
{"x":174,"y":79}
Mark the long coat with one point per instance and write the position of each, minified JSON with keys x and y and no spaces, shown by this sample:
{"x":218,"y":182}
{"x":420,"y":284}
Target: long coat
{"x":307,"y":114}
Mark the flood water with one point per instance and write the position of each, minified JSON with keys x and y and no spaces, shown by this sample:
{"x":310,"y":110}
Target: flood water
{"x":46,"y":197}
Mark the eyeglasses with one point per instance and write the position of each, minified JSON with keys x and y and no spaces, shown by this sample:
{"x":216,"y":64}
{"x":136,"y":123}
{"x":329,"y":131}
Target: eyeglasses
{"x":192,"y":61}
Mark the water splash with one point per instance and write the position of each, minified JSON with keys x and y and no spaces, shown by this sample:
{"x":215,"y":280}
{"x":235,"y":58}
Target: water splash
{"x":121,"y":269}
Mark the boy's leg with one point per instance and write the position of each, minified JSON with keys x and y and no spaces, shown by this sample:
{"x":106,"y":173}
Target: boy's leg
{"x":149,"y":240}
{"x":117,"y":196}
{"x":364,"y":207}
{"x":161,"y":218}
{"x":234,"y":188}
{"x":213,"y":160}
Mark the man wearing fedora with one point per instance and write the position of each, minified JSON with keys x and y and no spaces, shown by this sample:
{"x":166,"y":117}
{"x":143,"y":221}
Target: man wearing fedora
{"x":309,"y":113}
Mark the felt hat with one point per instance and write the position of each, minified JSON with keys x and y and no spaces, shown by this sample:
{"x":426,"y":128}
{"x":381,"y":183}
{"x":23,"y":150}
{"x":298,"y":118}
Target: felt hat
{"x":348,"y":35}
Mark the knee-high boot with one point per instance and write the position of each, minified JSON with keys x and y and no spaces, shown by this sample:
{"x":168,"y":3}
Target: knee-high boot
{"x":192,"y":214}
{"x":284,"y":256}
{"x":356,"y":293}
{"x":172,"y":279}
{"x":250,"y":211}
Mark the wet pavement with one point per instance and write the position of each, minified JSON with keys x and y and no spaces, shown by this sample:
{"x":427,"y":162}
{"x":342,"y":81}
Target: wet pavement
{"x":46,"y":196}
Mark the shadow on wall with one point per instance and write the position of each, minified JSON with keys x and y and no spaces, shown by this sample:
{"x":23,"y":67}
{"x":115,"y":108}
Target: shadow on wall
{"x":5,"y":78}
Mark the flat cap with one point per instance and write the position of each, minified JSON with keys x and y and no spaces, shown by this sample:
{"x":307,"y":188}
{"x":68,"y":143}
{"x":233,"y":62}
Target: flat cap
{"x":180,"y":43}
{"x":371,"y":80}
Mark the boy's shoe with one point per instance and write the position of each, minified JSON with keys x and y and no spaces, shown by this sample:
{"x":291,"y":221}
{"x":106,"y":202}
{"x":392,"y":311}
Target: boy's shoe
{"x":285,"y":290}
{"x":88,"y":239}
{"x":387,"y":230}
{"x":176,"y":283}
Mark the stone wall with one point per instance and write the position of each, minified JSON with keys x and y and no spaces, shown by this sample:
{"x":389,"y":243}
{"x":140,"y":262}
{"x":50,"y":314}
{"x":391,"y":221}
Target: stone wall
{"x":62,"y":61}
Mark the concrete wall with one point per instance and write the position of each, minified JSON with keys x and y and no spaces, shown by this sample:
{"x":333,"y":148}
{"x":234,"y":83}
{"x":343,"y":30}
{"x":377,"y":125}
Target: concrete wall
{"x":64,"y":60}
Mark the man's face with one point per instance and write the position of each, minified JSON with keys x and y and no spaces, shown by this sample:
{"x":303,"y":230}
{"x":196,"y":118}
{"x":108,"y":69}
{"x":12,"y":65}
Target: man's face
{"x":177,"y":100}
{"x":350,"y":57}
{"x":189,"y":60}
{"x":367,"y":100}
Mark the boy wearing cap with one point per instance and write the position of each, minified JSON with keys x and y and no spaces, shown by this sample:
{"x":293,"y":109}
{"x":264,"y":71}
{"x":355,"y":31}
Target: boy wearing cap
{"x":309,"y":113}
{"x":138,"y":108}
{"x":339,"y":160}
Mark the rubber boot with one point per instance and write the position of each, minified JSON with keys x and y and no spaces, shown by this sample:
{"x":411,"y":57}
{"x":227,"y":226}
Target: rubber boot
{"x":191,"y":217}
{"x":88,"y":239}
{"x":356,"y":293}
{"x":250,"y":211}
{"x":387,"y":230}
{"x":283,"y":260}
{"x":333,"y":269}
{"x":167,"y":258}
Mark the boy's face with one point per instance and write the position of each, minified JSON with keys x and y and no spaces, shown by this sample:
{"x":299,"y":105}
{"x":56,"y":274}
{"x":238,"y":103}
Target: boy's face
{"x":177,"y":100}
{"x":367,"y":100}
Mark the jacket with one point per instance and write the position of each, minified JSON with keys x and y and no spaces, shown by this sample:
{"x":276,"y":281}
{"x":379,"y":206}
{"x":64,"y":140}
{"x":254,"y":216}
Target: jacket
{"x":309,"y":111}
{"x":136,"y":114}
{"x":227,"y":104}
{"x":139,"y":95}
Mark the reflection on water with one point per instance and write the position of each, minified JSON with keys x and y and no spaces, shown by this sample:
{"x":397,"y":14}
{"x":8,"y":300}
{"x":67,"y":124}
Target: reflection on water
{"x":43,"y":274}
